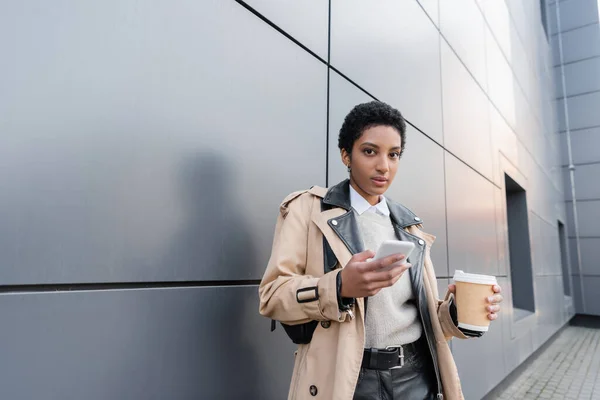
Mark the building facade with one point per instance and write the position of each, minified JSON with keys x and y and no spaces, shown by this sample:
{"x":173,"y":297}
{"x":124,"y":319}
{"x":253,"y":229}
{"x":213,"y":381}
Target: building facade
{"x":145,"y":147}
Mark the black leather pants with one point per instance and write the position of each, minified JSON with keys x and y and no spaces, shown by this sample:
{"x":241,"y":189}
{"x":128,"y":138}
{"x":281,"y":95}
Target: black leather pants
{"x":414,"y":381}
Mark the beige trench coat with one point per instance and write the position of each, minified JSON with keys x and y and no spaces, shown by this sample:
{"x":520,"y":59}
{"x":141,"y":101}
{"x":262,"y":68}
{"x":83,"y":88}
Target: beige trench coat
{"x":330,"y":364}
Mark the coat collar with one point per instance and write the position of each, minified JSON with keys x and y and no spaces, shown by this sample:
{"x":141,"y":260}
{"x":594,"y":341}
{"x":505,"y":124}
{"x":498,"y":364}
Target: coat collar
{"x":339,"y":196}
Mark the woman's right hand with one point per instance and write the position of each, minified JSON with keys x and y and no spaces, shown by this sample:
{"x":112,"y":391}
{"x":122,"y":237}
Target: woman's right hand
{"x":362,"y":278}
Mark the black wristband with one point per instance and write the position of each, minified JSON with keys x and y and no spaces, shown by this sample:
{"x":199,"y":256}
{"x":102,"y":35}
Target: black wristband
{"x":344,"y":303}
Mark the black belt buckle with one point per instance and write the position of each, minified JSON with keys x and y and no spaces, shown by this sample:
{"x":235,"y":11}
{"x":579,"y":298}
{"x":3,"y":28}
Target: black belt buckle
{"x":400,"y":355}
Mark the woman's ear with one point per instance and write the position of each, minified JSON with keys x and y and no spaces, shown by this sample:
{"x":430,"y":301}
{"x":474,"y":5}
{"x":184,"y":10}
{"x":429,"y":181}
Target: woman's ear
{"x":345,"y":157}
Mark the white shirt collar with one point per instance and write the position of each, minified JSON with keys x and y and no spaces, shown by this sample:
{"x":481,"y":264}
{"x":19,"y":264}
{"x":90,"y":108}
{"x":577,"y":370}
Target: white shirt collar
{"x":361,"y":205}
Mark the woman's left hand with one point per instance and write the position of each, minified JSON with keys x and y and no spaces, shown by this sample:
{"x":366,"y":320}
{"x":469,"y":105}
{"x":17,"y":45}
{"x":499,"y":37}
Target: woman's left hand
{"x":493,"y":302}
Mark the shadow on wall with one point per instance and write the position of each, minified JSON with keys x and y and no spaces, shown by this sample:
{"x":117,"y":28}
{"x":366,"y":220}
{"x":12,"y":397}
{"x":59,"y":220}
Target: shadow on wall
{"x":211,"y":345}
{"x":215,"y":243}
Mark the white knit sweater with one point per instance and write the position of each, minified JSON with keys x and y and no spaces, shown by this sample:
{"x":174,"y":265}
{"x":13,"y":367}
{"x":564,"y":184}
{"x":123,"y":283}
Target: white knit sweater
{"x":392,"y":317}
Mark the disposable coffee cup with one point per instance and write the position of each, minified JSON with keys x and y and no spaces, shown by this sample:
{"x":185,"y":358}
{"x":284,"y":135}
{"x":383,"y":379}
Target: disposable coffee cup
{"x":472,"y":290}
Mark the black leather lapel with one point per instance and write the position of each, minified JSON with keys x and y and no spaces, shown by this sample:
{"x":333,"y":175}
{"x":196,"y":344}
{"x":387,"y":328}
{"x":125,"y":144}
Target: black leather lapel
{"x":346,"y":227}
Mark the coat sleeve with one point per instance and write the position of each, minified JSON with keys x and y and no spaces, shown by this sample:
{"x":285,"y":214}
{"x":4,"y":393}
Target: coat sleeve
{"x":286,"y":293}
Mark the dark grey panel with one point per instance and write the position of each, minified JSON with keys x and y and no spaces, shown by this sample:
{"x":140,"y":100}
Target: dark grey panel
{"x":590,"y":256}
{"x":584,"y":146}
{"x":305,"y":21}
{"x":467,"y":40}
{"x":143,"y":159}
{"x":427,"y":200}
{"x":580,"y":77}
{"x":192,"y":343}
{"x":574,"y":14}
{"x":590,"y":291}
{"x":582,"y":111}
{"x":396,"y":62}
{"x":586,"y":181}
{"x":471,"y":220}
{"x":588,"y":213}
{"x":577,"y":44}
{"x":463,"y":134}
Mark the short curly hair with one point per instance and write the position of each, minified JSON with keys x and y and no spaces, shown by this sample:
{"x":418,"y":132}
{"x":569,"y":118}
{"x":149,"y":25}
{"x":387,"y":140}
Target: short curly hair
{"x":368,"y":115}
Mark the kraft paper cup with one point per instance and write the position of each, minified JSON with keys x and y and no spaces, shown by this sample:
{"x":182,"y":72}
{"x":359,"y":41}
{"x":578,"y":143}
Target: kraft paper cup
{"x":472,"y":290}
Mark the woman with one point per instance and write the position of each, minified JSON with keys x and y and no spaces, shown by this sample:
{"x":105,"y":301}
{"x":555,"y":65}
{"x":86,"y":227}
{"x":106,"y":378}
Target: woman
{"x":366,"y":329}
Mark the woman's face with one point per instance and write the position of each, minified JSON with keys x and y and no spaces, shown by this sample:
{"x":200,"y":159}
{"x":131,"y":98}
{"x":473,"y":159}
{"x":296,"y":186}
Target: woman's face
{"x":374,"y":161}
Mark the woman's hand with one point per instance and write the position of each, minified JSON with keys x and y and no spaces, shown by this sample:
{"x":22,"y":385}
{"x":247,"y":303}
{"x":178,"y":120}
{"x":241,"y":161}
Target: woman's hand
{"x":493,"y":302}
{"x":362,"y":278}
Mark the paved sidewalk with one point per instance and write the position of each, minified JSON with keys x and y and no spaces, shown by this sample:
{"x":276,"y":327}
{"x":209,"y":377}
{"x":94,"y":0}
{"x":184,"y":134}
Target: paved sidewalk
{"x":567,"y":370}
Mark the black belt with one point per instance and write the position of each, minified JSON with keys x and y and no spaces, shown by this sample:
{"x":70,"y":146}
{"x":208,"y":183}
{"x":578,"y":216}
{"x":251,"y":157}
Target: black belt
{"x":391,"y":357}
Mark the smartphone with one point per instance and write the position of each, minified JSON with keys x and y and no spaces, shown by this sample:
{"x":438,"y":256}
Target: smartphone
{"x":390,"y":247}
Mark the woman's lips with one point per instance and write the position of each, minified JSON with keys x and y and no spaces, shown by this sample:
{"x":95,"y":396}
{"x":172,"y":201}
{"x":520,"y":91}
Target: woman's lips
{"x":379,"y":181}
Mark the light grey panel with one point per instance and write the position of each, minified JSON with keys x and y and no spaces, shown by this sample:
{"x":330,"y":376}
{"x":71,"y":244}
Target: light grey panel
{"x":584,"y":146}
{"x":305,"y":21}
{"x":573,"y":256}
{"x":408,"y":188}
{"x":498,"y":19}
{"x":501,"y":232}
{"x":580,"y":77}
{"x":501,"y":84}
{"x":574,"y":14}
{"x":504,"y":143}
{"x":141,"y":344}
{"x":590,"y":256}
{"x":443,"y":287}
{"x":471,"y":220}
{"x":588,"y":213}
{"x":586,"y":182}
{"x":432,"y":8}
{"x":466,"y":122}
{"x":577,"y":44}
{"x":143,"y":159}
{"x":582,"y":111}
{"x":592,"y":295}
{"x":399,"y":63}
{"x":467,"y":40}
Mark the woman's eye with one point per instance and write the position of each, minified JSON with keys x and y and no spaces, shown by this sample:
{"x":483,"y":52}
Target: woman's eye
{"x":369,"y":152}
{"x":395,"y":155}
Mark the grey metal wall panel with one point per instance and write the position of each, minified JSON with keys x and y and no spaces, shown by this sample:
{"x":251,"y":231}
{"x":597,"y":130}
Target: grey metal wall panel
{"x":143,"y":159}
{"x":471,"y":220}
{"x":504,"y":144}
{"x":588,"y":213}
{"x":425,"y":200}
{"x":305,"y":21}
{"x":132,"y":344}
{"x":584,"y":146}
{"x":580,"y":77}
{"x":590,"y":256}
{"x":501,"y":232}
{"x":577,"y":44}
{"x":586,"y":182}
{"x":467,"y":40}
{"x":590,"y":290}
{"x":499,"y":21}
{"x":574,"y":14}
{"x":432,"y":8}
{"x":582,"y":111}
{"x":399,"y":68}
{"x":466,"y":122}
{"x":501,"y":85}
